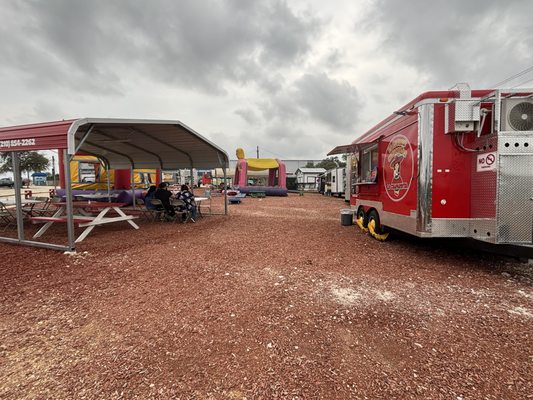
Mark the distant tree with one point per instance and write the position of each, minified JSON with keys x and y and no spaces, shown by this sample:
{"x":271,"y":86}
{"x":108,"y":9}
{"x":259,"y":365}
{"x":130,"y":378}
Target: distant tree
{"x":309,"y":164}
{"x":330,"y":163}
{"x":50,"y":176}
{"x":30,"y":161}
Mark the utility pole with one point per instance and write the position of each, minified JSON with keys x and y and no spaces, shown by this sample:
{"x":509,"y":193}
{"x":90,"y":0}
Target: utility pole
{"x":257,"y":151}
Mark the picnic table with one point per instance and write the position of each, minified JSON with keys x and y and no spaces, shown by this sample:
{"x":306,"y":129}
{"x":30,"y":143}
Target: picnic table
{"x":28,"y":205}
{"x":85,"y":218}
{"x":199,"y":201}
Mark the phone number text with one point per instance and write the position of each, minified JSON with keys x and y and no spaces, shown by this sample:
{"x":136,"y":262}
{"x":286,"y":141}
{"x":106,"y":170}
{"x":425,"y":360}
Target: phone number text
{"x":16,"y":143}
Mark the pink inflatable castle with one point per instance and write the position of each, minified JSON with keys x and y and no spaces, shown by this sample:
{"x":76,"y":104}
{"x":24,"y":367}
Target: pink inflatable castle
{"x":276,"y":185}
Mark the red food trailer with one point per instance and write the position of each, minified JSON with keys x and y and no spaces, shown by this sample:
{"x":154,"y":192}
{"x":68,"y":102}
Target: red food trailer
{"x":455,"y":163}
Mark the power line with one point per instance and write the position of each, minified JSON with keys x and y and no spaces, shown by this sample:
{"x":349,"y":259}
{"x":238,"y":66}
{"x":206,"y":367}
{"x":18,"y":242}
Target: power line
{"x":521,"y":83}
{"x":517,"y":75}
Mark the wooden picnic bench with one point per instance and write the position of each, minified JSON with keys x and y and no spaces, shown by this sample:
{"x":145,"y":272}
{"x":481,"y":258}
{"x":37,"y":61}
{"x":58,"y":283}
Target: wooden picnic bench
{"x":76,"y":218}
{"x":85,"y":221}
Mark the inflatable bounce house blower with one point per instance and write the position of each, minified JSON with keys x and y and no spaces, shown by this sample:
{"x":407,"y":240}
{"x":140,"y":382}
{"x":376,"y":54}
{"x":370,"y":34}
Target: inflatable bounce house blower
{"x":276,"y":184}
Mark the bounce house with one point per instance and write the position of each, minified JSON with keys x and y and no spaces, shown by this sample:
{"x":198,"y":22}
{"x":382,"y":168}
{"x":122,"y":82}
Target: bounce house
{"x":88,"y":172}
{"x":89,"y":175}
{"x":276,"y":181}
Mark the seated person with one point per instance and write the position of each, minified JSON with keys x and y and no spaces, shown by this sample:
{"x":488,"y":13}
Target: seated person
{"x":149,"y":196}
{"x":188,"y":198}
{"x":162,"y":193}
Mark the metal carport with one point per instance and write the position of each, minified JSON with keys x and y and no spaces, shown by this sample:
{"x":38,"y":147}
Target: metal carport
{"x":120,"y":143}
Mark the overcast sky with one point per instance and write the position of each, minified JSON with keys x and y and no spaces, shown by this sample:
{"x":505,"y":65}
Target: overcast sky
{"x":294,"y":77}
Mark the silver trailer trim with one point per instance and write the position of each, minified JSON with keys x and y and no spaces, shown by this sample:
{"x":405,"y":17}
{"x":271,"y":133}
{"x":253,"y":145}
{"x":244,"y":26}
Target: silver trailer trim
{"x":514,"y":218}
{"x":425,"y":165}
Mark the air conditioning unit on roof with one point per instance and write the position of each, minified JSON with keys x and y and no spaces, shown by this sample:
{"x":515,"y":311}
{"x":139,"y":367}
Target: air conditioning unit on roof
{"x":517,"y":115}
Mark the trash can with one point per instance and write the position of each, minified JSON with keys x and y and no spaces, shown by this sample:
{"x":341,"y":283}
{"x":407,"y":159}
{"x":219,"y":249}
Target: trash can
{"x":346,"y":217}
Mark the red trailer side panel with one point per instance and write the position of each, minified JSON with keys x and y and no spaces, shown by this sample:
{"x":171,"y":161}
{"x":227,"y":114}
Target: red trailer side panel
{"x":451,"y":173}
{"x":399,"y":169}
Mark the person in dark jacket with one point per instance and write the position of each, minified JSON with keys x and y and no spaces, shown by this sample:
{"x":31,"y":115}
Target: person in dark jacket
{"x":162,"y":193}
{"x":149,"y":196}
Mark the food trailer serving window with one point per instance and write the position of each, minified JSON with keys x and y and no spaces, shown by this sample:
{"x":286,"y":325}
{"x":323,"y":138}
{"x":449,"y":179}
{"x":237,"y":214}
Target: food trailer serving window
{"x":369,"y":164}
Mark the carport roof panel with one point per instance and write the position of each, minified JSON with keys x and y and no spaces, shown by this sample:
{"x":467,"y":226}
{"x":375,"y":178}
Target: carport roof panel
{"x":124,"y":143}
{"x":147,"y":144}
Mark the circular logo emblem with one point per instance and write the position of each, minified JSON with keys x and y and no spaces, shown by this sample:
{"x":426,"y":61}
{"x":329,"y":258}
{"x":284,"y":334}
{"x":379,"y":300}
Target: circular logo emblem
{"x":398,"y":168}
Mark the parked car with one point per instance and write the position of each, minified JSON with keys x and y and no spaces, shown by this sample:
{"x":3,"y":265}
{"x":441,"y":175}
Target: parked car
{"x":7,"y":182}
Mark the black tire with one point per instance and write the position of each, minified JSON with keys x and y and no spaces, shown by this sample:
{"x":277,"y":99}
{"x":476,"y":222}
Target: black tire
{"x":373,"y":215}
{"x":378,"y":229}
{"x":361,"y":213}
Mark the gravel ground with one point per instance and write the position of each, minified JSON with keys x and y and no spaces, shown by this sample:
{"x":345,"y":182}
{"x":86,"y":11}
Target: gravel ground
{"x":276,"y":301}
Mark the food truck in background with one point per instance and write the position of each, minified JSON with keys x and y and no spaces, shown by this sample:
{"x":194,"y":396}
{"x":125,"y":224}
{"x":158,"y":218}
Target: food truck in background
{"x":85,"y":173}
{"x":332,"y":182}
{"x":337,"y":179}
{"x":455,"y":163}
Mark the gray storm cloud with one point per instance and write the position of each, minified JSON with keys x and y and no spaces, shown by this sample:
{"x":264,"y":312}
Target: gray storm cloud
{"x":293,"y":76}
{"x":200,"y":44}
{"x":334,"y":103}
{"x":480,"y":41}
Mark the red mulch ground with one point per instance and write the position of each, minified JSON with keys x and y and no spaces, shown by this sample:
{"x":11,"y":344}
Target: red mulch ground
{"x":276,"y":301}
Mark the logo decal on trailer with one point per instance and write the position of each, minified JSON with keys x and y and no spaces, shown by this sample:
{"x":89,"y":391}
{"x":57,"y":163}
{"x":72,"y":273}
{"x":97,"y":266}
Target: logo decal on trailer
{"x":398,"y":168}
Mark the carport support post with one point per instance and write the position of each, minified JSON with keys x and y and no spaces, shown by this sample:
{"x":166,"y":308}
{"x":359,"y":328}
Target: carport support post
{"x":108,"y":182}
{"x":192,"y":182}
{"x":16,"y":177}
{"x":132,"y":179}
{"x":225,"y":192}
{"x":68,"y":199}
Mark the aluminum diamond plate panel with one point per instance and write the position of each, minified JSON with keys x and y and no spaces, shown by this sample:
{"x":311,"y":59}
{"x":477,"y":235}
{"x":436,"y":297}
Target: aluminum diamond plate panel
{"x":483,"y":194}
{"x":515,"y":194}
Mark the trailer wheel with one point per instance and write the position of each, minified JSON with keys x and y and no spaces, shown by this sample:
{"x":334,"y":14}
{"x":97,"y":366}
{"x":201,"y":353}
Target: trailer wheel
{"x":375,"y":228}
{"x":361,"y":219}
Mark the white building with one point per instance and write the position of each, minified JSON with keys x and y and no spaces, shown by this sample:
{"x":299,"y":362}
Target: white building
{"x":307,"y":178}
